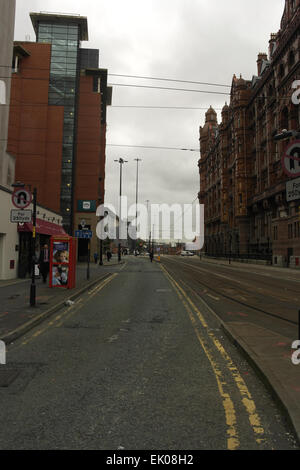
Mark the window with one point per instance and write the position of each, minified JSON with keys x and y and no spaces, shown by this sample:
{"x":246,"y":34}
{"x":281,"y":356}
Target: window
{"x":291,"y":59}
{"x":281,"y":71}
{"x":284,"y":118}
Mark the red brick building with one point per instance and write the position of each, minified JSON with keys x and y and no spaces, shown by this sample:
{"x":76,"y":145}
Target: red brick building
{"x":242,"y":182}
{"x":57,"y":127}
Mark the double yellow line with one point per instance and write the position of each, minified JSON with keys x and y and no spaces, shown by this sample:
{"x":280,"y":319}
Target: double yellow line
{"x":69,"y":312}
{"x":233,"y":441}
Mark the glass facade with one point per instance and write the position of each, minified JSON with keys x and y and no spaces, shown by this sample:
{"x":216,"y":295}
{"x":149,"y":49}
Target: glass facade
{"x":65,"y":42}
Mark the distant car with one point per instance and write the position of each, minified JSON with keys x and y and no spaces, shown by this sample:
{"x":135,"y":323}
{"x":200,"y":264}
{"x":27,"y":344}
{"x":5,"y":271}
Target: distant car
{"x":187,"y":253}
{"x":184,"y":253}
{"x":190,"y":253}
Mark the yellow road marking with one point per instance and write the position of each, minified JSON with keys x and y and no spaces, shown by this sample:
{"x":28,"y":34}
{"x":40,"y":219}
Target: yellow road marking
{"x":95,"y":291}
{"x":72,"y":309}
{"x":230,"y":415}
{"x":247,"y":399}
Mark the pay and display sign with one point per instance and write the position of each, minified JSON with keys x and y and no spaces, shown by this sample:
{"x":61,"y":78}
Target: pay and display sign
{"x":293,"y":190}
{"x":20,"y":216}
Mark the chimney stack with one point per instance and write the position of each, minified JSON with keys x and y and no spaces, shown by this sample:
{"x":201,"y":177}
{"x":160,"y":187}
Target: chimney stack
{"x":272,"y":43}
{"x":261,"y":56}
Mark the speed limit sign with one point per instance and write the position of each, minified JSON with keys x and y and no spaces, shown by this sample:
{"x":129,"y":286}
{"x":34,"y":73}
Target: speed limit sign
{"x":291,"y":160}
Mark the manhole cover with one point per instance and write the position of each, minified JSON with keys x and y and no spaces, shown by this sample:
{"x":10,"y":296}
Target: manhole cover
{"x":7,"y":376}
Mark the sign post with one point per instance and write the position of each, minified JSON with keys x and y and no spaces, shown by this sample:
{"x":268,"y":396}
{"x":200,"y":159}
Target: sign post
{"x":87,"y":234}
{"x":33,"y":286}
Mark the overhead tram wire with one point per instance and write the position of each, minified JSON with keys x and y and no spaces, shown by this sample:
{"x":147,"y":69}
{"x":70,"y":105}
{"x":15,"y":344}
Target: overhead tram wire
{"x":162,"y":107}
{"x":107,"y":145}
{"x":136,"y":76}
{"x":168,"y":80}
{"x":154,"y":147}
{"x":137,"y":86}
{"x":169,"y":89}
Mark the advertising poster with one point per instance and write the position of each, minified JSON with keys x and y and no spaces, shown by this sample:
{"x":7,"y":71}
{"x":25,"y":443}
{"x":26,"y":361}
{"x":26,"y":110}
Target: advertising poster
{"x":60,"y":275}
{"x":60,"y":253}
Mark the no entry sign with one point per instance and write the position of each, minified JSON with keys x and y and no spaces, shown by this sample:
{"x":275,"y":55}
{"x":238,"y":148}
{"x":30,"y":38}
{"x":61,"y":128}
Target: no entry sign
{"x":291,"y":160}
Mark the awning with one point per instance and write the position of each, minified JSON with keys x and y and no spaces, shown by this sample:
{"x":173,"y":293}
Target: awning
{"x":44,"y":227}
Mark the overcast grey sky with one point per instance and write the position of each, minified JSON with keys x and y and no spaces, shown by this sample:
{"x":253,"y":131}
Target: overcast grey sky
{"x":199,"y":40}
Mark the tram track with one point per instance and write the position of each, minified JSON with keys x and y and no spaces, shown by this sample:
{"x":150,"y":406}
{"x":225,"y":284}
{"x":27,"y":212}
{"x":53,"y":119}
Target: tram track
{"x":187,"y":268}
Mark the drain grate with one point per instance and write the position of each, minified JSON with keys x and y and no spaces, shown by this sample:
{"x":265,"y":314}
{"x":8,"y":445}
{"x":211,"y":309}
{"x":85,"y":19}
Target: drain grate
{"x":7,"y":376}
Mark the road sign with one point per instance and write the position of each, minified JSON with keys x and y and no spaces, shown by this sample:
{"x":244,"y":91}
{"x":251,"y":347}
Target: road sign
{"x":20,"y":216}
{"x":291,"y":160}
{"x":293,"y":190}
{"x":21,"y":198}
{"x":84,"y":234}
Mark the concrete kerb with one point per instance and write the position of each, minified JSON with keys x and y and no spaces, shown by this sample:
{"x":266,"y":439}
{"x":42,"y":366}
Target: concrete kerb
{"x":17,"y":333}
{"x":267,"y":377}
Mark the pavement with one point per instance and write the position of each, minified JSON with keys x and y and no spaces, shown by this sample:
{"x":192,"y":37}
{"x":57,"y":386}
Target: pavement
{"x":17,"y":316}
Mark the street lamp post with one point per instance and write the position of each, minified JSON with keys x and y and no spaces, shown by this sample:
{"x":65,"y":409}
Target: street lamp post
{"x":148,"y":225}
{"x":121,"y":161}
{"x":136,"y":195}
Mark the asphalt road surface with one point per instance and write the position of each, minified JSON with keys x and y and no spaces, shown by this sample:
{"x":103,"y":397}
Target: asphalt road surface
{"x":138,"y":362}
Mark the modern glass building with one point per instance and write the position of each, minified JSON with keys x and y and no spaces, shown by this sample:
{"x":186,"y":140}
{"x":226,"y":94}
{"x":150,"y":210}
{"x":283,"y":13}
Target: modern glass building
{"x":64,"y":33}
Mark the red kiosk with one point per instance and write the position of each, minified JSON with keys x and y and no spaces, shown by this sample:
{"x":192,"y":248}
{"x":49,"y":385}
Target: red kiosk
{"x":62,"y":262}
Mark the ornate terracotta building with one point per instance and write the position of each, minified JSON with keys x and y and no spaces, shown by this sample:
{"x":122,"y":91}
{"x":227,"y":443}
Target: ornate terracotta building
{"x":242,"y":182}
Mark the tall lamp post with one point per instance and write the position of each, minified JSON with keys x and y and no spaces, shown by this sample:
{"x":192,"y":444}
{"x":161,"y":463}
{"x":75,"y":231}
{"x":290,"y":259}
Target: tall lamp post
{"x":137,"y":160}
{"x":148,"y":224}
{"x":121,"y":161}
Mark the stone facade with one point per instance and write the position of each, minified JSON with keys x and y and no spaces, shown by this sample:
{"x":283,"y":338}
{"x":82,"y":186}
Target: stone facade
{"x":242,"y":182}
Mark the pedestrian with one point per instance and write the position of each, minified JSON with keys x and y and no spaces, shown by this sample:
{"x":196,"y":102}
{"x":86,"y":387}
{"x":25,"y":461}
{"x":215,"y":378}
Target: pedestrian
{"x":96,"y":257}
{"x":151,"y":256}
{"x":44,"y":263}
{"x":108,"y":255}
